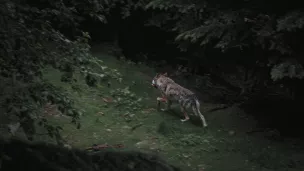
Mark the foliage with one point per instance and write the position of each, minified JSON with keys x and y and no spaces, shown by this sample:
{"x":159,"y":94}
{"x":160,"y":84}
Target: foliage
{"x":34,"y":36}
{"x":239,"y":27}
{"x":289,"y":69}
{"x":124,"y":97}
{"x":254,"y":35}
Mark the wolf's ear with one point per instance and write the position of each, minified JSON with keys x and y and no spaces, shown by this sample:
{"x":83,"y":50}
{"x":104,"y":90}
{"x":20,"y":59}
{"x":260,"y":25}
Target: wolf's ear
{"x":165,"y":74}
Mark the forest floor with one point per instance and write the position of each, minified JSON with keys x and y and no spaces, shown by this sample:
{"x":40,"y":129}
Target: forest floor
{"x":224,"y":146}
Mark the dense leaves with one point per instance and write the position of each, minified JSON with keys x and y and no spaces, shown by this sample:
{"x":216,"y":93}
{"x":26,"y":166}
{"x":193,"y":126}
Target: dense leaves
{"x":35,"y":35}
{"x":256,"y":36}
{"x":235,"y":26}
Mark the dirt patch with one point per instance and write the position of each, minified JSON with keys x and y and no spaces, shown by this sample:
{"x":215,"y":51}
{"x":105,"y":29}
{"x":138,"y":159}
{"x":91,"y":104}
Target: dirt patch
{"x":51,"y":110}
{"x":149,"y":144}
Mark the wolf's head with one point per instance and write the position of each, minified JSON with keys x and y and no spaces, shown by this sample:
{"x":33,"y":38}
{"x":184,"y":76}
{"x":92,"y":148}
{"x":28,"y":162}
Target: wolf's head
{"x":157,"y":80}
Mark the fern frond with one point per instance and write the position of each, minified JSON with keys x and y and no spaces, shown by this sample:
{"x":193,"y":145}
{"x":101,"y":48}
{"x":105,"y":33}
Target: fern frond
{"x":287,"y":68}
{"x":291,"y":21}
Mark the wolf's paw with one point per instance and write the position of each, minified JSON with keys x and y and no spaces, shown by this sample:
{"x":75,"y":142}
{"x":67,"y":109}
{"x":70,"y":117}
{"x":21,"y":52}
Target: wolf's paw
{"x":184,"y":120}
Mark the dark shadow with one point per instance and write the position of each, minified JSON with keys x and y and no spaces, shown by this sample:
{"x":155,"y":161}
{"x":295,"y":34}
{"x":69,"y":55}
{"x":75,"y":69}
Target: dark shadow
{"x":20,"y":155}
{"x":279,"y":114}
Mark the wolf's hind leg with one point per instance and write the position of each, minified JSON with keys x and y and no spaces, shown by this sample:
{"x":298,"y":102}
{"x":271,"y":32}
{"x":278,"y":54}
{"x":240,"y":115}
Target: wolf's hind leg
{"x":197,"y":112}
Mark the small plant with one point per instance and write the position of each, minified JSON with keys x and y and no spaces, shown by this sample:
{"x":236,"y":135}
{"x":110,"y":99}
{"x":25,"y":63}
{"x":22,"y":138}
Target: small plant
{"x":129,"y":100}
{"x":189,"y":140}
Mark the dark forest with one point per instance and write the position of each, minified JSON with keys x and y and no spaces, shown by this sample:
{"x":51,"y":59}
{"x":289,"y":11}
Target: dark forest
{"x":77,"y":73}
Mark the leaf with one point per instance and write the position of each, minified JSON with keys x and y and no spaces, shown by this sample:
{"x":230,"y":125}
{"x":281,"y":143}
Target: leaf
{"x":107,"y":100}
{"x":13,"y":128}
{"x":70,"y":112}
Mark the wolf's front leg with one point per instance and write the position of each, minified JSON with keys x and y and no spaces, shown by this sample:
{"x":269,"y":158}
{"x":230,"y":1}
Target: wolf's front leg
{"x":168,"y":106}
{"x":185,"y":114}
{"x":158,"y":105}
{"x":161,"y":99}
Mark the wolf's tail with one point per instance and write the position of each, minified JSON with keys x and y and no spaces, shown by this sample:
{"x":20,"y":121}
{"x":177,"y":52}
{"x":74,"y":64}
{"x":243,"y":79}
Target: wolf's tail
{"x":197,"y":110}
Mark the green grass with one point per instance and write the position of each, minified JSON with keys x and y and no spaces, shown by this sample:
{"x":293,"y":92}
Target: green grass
{"x":186,"y":145}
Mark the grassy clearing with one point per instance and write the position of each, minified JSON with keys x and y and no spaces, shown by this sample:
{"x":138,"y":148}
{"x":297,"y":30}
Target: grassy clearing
{"x":223,"y":147}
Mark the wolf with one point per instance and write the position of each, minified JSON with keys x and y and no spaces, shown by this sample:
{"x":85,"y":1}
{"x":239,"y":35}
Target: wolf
{"x":171,"y":91}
